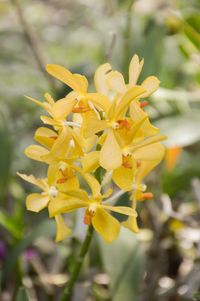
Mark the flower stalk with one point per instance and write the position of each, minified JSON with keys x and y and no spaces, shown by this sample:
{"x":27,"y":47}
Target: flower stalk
{"x":77,"y":265}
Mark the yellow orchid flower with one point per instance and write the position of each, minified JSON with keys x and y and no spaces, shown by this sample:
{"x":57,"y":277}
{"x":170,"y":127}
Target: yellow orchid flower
{"x":139,"y":190}
{"x":79,"y":84}
{"x":50,"y":190}
{"x":65,"y":145}
{"x":110,"y":154}
{"x":106,"y":79}
{"x":96,"y":210}
{"x":105,"y":132}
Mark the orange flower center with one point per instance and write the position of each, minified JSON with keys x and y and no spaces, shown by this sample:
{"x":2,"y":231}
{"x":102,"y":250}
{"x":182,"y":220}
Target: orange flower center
{"x":126,"y":162}
{"x":124,"y":124}
{"x":81,"y":108}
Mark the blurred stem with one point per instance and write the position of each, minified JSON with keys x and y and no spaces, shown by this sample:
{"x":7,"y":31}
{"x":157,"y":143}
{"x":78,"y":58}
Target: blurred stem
{"x":32,"y":41}
{"x":127,"y":38}
{"x":78,"y":264}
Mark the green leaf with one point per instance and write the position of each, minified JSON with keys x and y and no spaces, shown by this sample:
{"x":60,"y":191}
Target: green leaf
{"x":180,"y":130}
{"x":22,"y":295}
{"x":10,"y":225}
{"x":46,"y":228}
{"x":123,"y":260}
{"x":192,"y":30}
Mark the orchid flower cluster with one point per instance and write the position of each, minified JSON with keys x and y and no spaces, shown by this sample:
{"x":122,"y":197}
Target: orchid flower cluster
{"x":106,"y":130}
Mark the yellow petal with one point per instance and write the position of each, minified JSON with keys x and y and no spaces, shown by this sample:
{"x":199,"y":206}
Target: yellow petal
{"x":44,"y":105}
{"x":135,"y":69}
{"x":131,"y":224}
{"x":137,"y":114}
{"x":64,"y":76}
{"x":99,"y":100}
{"x":50,"y":121}
{"x":120,"y":209}
{"x":110,"y":154}
{"x":31,"y":179}
{"x":106,"y":225}
{"x":150,"y":84}
{"x":62,"y":230}
{"x":145,"y":168}
{"x":83,"y":82}
{"x":45,"y":136}
{"x":123,"y":177}
{"x":91,"y":124}
{"x":49,"y":98}
{"x":126,"y":99}
{"x":93,"y":183}
{"x":148,"y":141}
{"x":68,"y":204}
{"x":59,"y":148}
{"x":63,"y":107}
{"x":90,"y":161}
{"x":116,"y":82}
{"x":151,"y":152}
{"x":78,"y":194}
{"x":89,"y":143}
{"x":36,"y":152}
{"x":100,"y":78}
{"x":36,"y":202}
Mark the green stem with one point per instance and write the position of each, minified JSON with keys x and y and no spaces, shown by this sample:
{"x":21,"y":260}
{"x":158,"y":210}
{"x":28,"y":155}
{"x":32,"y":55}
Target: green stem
{"x":77,"y":266}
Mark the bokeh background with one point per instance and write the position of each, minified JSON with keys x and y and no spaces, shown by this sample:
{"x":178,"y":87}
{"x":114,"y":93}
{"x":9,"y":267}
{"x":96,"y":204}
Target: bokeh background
{"x":162,"y":262}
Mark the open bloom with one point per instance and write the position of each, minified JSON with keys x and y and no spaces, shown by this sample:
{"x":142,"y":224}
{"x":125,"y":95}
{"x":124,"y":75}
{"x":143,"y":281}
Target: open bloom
{"x":87,"y":134}
{"x":38,"y":201}
{"x":96,"y":210}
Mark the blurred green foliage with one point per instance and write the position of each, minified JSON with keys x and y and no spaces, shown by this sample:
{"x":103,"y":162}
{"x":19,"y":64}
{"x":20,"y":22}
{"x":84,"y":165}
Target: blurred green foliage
{"x":162,"y":262}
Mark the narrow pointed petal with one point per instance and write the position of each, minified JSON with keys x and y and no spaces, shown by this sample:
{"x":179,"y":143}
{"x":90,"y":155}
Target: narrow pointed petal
{"x":135,"y":69}
{"x":36,"y":152}
{"x":127,"y":98}
{"x":62,"y":230}
{"x":44,"y":105}
{"x":41,"y":183}
{"x":100,"y":78}
{"x":150,"y":152}
{"x":148,"y":141}
{"x":49,"y":98}
{"x":93,"y":183}
{"x":58,"y":206}
{"x":150,"y":84}
{"x":36,"y":202}
{"x":106,"y":225}
{"x":110,"y":154}
{"x":64,"y":76}
{"x":120,"y":209}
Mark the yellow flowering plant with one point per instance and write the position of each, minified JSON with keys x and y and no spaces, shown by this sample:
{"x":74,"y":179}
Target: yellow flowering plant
{"x":86,"y":134}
